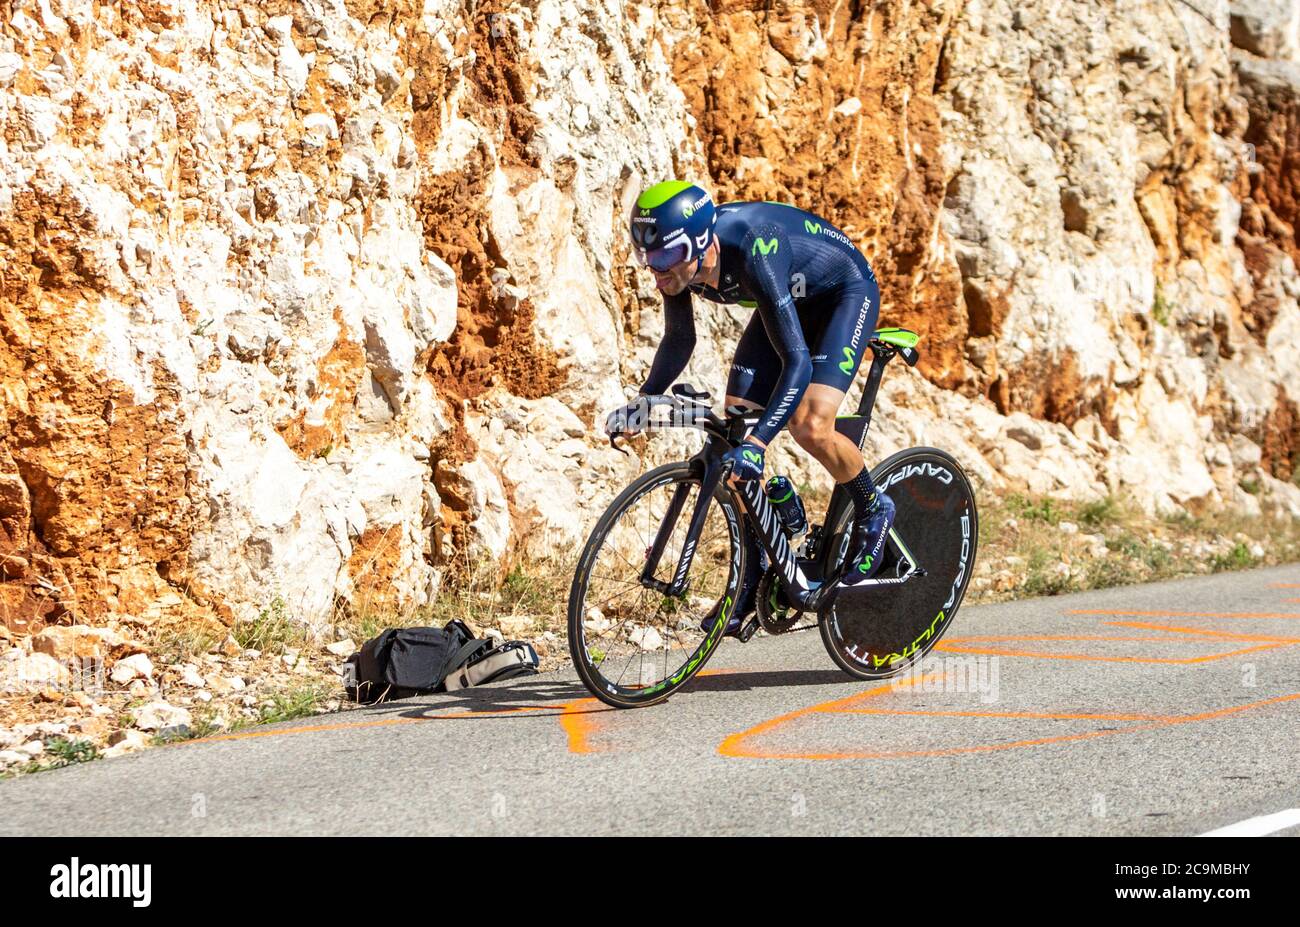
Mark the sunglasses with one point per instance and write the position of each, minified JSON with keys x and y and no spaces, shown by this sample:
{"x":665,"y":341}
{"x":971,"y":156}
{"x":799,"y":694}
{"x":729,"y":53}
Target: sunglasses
{"x":665,"y":259}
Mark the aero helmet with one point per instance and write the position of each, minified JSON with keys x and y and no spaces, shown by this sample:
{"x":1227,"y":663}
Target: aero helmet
{"x":672,"y":222}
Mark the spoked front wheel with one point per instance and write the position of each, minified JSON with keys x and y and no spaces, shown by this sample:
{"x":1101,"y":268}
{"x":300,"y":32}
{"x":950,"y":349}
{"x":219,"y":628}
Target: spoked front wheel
{"x":878,"y":631}
{"x":634,"y":645}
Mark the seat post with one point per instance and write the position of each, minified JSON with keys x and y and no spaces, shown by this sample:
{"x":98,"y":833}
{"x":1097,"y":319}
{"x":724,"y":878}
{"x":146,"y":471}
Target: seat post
{"x":882,"y":354}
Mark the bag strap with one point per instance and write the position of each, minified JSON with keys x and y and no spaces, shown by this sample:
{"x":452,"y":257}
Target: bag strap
{"x":463,"y":655}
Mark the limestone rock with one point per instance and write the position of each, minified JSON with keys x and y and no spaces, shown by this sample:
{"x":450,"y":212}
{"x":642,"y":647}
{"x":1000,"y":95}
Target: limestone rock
{"x":190,"y":676}
{"x":30,"y":672}
{"x":343,"y":648}
{"x":136,"y":666}
{"x":159,"y":716}
{"x":127,"y":741}
{"x":646,"y":638}
{"x":520,"y":626}
{"x":1269,"y":28}
{"x":76,"y":643}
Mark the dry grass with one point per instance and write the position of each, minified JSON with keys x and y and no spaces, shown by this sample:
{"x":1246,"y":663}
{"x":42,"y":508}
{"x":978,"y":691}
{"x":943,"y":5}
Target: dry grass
{"x":1042,"y":546}
{"x":273,"y":630}
{"x":531,"y":597}
{"x":177,"y":641}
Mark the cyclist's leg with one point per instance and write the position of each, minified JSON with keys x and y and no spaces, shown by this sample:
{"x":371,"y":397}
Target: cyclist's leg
{"x":753,"y":376}
{"x":813,"y":428}
{"x":836,"y":356}
{"x":837,"y":349}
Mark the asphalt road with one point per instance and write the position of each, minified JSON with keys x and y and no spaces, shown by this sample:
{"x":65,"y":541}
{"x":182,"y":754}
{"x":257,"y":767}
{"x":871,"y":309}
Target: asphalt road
{"x":1172,"y":708}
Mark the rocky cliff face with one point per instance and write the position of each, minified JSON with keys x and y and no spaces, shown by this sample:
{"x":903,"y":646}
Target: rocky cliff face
{"x":314,"y":299}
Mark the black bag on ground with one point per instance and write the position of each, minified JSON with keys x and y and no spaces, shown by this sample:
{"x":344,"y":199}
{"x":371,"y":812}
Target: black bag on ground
{"x":402,"y":662}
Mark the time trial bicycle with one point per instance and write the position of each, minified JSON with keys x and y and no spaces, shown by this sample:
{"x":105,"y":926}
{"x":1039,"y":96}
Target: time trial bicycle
{"x":667,"y":553}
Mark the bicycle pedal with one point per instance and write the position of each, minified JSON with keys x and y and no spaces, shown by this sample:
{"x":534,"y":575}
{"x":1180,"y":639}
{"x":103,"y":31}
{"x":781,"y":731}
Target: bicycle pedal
{"x":747,"y":629}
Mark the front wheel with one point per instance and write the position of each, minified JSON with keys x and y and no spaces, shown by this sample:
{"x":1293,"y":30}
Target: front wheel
{"x":879,"y":631}
{"x":634,"y":645}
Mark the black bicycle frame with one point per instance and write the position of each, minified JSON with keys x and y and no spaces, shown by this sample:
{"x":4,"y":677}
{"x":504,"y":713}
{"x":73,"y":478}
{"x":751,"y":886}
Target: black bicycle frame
{"x":722,"y":436}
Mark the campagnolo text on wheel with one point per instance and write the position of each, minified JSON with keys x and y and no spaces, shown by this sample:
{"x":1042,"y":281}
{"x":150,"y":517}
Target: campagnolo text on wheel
{"x":694,"y":551}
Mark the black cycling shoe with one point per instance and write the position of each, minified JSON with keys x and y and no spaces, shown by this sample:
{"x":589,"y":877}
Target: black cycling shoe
{"x":744,"y":605}
{"x":744,"y":608}
{"x":867,"y":547}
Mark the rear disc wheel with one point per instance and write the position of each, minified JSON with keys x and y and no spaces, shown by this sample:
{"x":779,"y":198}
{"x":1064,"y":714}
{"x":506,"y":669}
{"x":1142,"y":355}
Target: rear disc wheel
{"x":879,"y":631}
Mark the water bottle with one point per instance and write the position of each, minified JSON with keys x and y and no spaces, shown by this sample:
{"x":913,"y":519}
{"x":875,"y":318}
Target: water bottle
{"x":788,"y":505}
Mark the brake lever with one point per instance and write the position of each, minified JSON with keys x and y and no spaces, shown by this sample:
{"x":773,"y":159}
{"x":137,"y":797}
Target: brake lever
{"x":613,"y":442}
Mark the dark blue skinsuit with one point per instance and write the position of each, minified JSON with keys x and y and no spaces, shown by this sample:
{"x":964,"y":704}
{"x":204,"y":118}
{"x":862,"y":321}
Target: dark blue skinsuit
{"x":817,"y":304}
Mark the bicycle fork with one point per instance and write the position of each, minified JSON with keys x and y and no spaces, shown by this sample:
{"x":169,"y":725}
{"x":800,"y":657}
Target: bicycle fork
{"x":677,"y":586}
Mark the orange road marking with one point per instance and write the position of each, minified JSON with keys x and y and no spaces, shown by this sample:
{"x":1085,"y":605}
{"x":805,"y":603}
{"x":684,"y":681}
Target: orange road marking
{"x":1055,"y":637}
{"x":1268,"y":641}
{"x":578,"y":726}
{"x":245,"y":735}
{"x":962,"y":644}
{"x":731,"y":746}
{"x":1207,"y":632}
{"x":1284,"y":585}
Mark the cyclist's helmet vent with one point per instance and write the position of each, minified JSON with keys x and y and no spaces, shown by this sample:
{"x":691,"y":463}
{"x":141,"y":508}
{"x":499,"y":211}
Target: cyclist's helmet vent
{"x":672,"y":222}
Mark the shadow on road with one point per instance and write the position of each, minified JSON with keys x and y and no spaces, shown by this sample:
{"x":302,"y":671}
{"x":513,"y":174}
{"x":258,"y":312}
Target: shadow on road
{"x":523,"y":696}
{"x":530,"y":696}
{"x":533,"y":696}
{"x":764,"y":679}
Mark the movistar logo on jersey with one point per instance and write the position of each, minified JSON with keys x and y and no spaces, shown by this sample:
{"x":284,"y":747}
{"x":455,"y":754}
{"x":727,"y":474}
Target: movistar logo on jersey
{"x":862,"y":320}
{"x":850,"y":359}
{"x":816,"y":228}
{"x":766,"y":247}
{"x":752,"y":456}
{"x":645,"y":212}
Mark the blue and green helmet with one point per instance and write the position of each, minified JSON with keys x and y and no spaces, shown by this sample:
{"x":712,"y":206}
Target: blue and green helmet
{"x":672,"y":222}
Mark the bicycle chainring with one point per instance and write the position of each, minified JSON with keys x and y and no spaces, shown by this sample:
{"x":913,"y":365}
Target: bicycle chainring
{"x":774,"y":616}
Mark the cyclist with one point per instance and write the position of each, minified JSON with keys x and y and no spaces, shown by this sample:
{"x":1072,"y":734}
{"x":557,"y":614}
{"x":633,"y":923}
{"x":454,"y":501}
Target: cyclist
{"x":816,"y":303}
